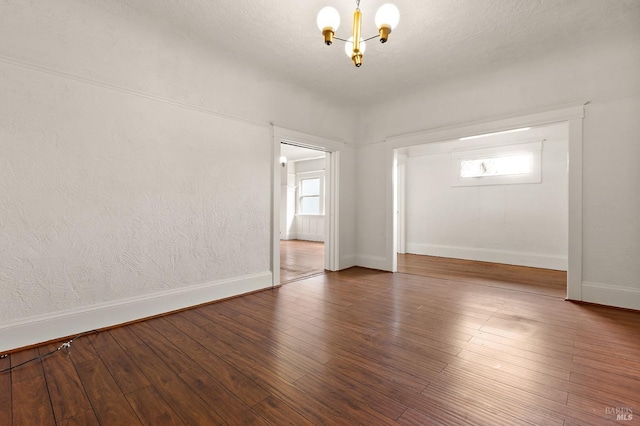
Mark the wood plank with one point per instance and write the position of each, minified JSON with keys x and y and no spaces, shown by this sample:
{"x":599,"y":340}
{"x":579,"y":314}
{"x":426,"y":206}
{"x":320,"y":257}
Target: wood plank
{"x":278,"y":413}
{"x":124,"y":370}
{"x":592,"y":385}
{"x":67,"y":394}
{"x":30,"y":403}
{"x":375,"y":375}
{"x":6,"y":415}
{"x":344,"y":402}
{"x":107,"y":400}
{"x":173,"y":356}
{"x":125,"y":337}
{"x":187,"y":404}
{"x":240,"y":385}
{"x":209,"y":341}
{"x":595,"y":409}
{"x":305,"y":404}
{"x":88,"y":418}
{"x":285,"y":370}
{"x":158,"y":413}
{"x":230,"y":408}
{"x":32,"y":368}
{"x":82,"y":349}
{"x":413,"y":417}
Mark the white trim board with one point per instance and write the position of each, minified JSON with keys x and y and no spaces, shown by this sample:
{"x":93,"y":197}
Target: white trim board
{"x":442,"y":134}
{"x":534,"y":260}
{"x":43,"y":328}
{"x":611,"y":295}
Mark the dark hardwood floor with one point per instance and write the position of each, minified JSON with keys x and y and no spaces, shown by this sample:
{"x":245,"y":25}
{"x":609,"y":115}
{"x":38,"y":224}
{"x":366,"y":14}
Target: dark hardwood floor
{"x":300,"y":259}
{"x":351,"y":347}
{"x":521,"y":278}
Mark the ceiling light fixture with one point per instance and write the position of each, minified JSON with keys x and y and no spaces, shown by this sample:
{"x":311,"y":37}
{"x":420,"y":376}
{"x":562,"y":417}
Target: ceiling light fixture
{"x":387,"y":18}
{"x":495,"y":133}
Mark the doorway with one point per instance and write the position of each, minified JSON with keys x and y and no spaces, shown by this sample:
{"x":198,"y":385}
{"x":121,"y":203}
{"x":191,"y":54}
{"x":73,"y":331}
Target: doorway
{"x":487,"y":198}
{"x":316,"y":192}
{"x":302,"y":212}
{"x":570,"y":118}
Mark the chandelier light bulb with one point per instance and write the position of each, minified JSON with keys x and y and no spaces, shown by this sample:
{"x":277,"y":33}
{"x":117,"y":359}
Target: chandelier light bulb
{"x":328,"y":22}
{"x":356,"y":57}
{"x":387,"y":18}
{"x":348,"y":46}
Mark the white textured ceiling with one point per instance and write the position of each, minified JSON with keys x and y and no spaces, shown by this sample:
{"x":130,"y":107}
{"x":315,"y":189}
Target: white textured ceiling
{"x":434,"y":41}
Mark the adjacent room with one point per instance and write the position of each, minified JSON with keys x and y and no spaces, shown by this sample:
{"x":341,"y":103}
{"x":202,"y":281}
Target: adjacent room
{"x":303,"y":212}
{"x":499,"y":198}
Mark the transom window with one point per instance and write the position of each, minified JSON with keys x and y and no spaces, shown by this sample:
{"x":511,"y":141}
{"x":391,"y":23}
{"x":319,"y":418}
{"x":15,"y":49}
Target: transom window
{"x":518,"y":163}
{"x":496,"y":166}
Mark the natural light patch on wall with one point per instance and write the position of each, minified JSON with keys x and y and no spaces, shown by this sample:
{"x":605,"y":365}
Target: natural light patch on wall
{"x":511,"y":164}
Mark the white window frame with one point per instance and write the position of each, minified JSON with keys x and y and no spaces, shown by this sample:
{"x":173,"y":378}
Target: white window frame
{"x":309,"y":175}
{"x":531,"y":148}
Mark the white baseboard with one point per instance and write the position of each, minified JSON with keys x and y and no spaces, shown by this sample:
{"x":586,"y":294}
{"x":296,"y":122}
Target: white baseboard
{"x":611,"y":295}
{"x":535,"y":260}
{"x":373,"y":262}
{"x":347,"y":261}
{"x":43,"y":328}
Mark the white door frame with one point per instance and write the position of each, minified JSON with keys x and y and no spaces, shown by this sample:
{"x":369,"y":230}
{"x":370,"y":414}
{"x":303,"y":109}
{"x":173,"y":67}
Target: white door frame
{"x":401,"y":203}
{"x":572,"y":115}
{"x":332,"y":179}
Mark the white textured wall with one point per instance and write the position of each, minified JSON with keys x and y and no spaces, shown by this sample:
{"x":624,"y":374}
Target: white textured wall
{"x":105,"y":195}
{"x":523,"y":224}
{"x":107,"y":42}
{"x":136,"y":163}
{"x":600,"y":73}
{"x":310,"y":227}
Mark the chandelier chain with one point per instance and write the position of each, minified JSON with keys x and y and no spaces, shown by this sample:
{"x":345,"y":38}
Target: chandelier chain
{"x":357,"y":4}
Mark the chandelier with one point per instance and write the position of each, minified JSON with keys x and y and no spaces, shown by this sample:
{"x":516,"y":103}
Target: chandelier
{"x":387,"y":18}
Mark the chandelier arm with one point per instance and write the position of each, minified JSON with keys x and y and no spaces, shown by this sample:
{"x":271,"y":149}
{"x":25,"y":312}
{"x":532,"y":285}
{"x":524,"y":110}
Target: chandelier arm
{"x":366,"y":39}
{"x":372,"y":37}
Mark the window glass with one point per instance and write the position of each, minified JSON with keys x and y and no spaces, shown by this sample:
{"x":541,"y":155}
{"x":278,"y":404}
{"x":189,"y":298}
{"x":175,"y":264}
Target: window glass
{"x":310,"y":193}
{"x":310,"y":187}
{"x":496,"y":166}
